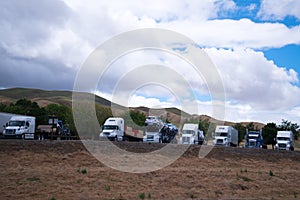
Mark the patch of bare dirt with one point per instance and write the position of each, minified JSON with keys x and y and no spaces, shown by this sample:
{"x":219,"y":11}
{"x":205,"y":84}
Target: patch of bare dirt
{"x":66,"y":170}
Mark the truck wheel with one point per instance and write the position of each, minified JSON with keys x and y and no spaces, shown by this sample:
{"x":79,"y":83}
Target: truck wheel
{"x":292,"y":148}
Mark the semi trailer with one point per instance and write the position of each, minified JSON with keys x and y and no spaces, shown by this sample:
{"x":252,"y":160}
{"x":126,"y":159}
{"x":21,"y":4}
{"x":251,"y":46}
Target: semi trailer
{"x":225,"y":136}
{"x":114,"y":129}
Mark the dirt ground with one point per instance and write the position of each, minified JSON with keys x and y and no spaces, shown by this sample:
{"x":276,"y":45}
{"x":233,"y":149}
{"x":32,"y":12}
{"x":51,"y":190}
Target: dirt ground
{"x":66,"y":170}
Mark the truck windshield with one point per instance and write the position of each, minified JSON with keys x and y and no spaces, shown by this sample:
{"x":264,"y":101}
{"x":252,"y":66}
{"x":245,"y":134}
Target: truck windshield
{"x":223,"y":134}
{"x":188,"y":132}
{"x":252,"y":137}
{"x":152,"y":128}
{"x":16,"y":123}
{"x":283,"y":138}
{"x":110,"y":127}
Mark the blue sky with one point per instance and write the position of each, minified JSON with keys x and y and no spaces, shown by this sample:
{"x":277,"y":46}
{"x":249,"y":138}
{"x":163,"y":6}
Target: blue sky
{"x":254,"y":45}
{"x":287,"y":56}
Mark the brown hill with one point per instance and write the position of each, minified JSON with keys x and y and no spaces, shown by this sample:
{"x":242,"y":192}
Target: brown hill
{"x":46,"y":97}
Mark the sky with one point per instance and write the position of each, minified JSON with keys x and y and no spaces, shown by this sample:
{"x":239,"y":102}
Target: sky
{"x":254,"y":45}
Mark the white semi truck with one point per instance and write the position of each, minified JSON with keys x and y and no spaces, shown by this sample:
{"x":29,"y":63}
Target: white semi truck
{"x":114,"y":129}
{"x":191,"y":134}
{"x":4,"y":119}
{"x":152,"y":133}
{"x":225,"y":136}
{"x":285,"y":140}
{"x":20,"y":127}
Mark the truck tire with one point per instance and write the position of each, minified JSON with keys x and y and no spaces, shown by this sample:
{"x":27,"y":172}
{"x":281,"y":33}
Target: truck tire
{"x":292,"y":148}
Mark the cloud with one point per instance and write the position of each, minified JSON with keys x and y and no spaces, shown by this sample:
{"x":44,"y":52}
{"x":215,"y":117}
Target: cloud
{"x":249,"y":78}
{"x":278,"y":9}
{"x":43,"y":44}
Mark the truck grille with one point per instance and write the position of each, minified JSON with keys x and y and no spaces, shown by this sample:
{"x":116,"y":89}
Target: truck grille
{"x":251,"y":144}
{"x":10,"y":131}
{"x":282,"y":145}
{"x":219,"y":141}
{"x":185,"y":139}
{"x":150,"y":137}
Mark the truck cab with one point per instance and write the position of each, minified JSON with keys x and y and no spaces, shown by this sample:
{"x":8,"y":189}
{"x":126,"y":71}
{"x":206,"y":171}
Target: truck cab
{"x":254,"y":139}
{"x":153,"y":133}
{"x":285,"y":140}
{"x":225,"y":136}
{"x":20,"y":127}
{"x":191,"y":134}
{"x":113,"y":129}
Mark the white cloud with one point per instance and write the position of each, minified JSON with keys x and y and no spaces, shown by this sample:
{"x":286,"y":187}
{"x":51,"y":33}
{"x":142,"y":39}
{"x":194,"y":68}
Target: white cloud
{"x":249,"y":78}
{"x":279,"y":9}
{"x":58,"y":37}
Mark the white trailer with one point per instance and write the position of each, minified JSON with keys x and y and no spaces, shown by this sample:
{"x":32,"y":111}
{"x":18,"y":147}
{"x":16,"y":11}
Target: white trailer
{"x":225,"y":136}
{"x":285,"y":140}
{"x":20,"y":127}
{"x":191,"y":134}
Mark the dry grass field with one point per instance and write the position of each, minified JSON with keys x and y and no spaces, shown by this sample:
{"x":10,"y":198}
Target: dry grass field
{"x":66,"y":170}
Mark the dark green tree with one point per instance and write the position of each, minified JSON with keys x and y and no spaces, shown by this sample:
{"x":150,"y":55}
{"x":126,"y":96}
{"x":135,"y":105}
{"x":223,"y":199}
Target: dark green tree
{"x":137,"y":117}
{"x":241,"y":130}
{"x":134,"y":119}
{"x":63,"y":113}
{"x":289,"y":126}
{"x":206,"y":127}
{"x":269,"y":132}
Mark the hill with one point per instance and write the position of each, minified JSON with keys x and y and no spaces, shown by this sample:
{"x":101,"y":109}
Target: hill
{"x":46,"y":97}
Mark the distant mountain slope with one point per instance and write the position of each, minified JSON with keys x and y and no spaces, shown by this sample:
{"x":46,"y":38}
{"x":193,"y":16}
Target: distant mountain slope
{"x":45,"y":97}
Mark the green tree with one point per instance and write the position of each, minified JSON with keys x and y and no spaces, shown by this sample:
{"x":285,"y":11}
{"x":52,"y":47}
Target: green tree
{"x":241,"y":130}
{"x":138,"y":117}
{"x":103,"y":113}
{"x":289,"y":126}
{"x":206,"y":127}
{"x":251,"y":127}
{"x":134,"y":119}
{"x":269,"y":132}
{"x":63,"y":113}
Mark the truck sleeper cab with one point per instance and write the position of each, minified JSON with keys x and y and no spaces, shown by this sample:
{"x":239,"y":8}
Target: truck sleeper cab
{"x":285,"y":140}
{"x":20,"y":127}
{"x":225,"y":136}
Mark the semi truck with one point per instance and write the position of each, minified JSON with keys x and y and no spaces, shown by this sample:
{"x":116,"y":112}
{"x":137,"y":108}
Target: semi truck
{"x":55,"y":129}
{"x":225,"y":136}
{"x":24,"y":127}
{"x":254,"y":139}
{"x":114,"y":129}
{"x":153,"y":133}
{"x":20,"y":127}
{"x":285,"y":140}
{"x":191,"y":134}
{"x":4,"y":119}
{"x":168,"y":133}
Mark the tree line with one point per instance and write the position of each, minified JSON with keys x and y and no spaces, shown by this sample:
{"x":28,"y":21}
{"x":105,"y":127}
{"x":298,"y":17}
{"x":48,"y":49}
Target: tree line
{"x":134,"y":119}
{"x":269,"y":131}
